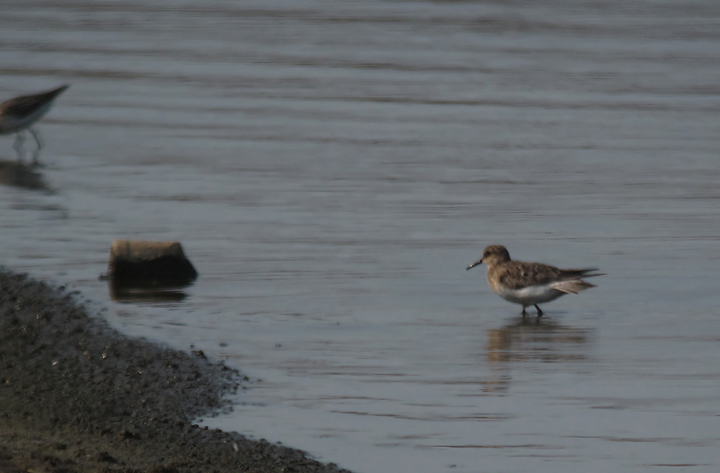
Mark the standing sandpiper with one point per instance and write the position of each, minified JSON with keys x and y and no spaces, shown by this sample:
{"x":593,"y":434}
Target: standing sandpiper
{"x":530,"y":283}
{"x":21,"y":113}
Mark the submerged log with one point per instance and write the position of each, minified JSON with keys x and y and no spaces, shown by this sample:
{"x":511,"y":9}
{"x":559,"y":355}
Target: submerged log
{"x":149,"y":262}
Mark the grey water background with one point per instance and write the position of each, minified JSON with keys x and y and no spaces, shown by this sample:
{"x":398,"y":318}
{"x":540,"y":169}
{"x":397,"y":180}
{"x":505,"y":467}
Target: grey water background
{"x":332,"y":167}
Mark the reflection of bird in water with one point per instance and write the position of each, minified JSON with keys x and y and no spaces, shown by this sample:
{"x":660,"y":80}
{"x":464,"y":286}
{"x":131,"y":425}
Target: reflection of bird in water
{"x":530,"y":283}
{"x":19,"y":175}
{"x":21,"y":113}
{"x":526,"y":340}
{"x":536,"y":340}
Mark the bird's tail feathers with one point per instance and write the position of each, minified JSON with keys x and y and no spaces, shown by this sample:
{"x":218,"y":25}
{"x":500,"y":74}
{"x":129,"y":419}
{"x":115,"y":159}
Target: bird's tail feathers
{"x":572,"y":286}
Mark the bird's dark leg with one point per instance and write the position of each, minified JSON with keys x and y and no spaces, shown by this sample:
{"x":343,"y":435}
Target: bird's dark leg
{"x":17,"y":146}
{"x":540,"y":312}
{"x":40,"y":144}
{"x":523,"y":312}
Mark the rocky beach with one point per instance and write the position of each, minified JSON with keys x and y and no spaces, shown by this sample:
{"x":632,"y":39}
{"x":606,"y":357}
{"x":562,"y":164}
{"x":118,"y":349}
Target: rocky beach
{"x":77,"y":396}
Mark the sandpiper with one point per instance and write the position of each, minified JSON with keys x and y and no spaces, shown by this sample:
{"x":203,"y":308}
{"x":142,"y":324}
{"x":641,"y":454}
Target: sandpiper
{"x":530,"y":283}
{"x":21,"y":113}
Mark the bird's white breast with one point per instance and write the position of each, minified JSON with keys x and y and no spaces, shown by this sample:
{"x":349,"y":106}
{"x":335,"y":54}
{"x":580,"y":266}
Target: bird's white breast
{"x":530,"y":295}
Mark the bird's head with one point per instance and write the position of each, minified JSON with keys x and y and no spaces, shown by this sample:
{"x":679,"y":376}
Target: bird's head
{"x":493,"y":255}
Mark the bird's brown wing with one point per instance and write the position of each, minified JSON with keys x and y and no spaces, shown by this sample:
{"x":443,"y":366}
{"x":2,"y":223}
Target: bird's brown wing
{"x":518,"y":274}
{"x":26,"y":104}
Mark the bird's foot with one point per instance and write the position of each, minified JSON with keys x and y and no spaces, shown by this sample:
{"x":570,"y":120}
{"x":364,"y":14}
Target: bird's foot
{"x":20,"y":156}
{"x":35,"y":161}
{"x":540,"y":312}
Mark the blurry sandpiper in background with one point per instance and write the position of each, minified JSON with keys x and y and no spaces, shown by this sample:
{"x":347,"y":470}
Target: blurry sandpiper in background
{"x":331,"y":168}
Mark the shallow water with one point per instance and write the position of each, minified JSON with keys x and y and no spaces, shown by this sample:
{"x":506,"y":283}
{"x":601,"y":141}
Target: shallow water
{"x":331,"y":168}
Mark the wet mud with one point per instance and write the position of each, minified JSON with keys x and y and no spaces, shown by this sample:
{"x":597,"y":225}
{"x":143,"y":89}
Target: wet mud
{"x":77,"y":396}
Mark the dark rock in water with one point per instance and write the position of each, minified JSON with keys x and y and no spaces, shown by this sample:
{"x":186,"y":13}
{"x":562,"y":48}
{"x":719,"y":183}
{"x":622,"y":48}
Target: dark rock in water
{"x":147,"y":263}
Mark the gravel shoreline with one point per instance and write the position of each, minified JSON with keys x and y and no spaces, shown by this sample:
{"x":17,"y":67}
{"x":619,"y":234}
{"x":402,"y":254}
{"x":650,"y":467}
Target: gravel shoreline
{"x":77,"y":396}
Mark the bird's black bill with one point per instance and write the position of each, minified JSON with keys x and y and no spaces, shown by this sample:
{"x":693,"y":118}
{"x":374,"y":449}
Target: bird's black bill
{"x":474,"y":264}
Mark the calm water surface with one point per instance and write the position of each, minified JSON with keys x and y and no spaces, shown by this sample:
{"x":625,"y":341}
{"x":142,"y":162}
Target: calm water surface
{"x":331,"y":168}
